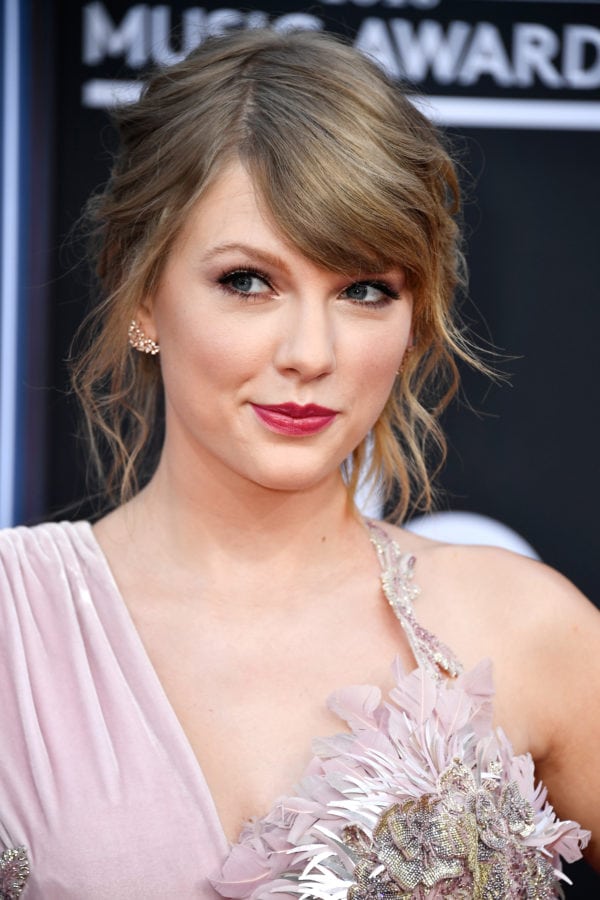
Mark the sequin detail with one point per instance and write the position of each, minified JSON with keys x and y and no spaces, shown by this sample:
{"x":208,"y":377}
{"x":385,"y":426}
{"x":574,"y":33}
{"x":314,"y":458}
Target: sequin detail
{"x":421,"y":799}
{"x":466,"y":841}
{"x":397,"y":570}
{"x":14,"y":872}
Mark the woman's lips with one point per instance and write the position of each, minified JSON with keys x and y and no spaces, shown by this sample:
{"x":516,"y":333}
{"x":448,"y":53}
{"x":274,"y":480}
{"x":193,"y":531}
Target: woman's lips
{"x":292,"y":419}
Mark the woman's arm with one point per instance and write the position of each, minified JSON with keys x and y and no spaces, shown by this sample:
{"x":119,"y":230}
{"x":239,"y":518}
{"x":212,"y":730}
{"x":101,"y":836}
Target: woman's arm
{"x":566,"y":666}
{"x":543,"y":637}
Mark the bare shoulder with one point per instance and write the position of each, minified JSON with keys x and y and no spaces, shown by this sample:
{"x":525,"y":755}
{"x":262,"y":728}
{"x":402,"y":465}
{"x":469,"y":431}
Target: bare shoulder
{"x":543,"y":637}
{"x":489,"y":588}
{"x":541,"y":633}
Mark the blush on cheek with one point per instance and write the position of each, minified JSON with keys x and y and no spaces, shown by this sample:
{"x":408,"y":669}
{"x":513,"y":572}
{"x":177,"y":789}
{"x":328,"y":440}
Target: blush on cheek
{"x":194,"y":336}
{"x":382,"y":369}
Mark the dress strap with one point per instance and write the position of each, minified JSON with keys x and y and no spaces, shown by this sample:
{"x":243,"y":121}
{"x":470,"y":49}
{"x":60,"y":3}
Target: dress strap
{"x":397,"y":569}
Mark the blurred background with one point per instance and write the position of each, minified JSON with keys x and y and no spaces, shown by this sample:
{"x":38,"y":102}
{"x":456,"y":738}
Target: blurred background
{"x":517,"y":86}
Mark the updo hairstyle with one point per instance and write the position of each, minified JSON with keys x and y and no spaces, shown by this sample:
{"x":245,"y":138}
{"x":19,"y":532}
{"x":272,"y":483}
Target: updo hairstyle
{"x":351,"y":173}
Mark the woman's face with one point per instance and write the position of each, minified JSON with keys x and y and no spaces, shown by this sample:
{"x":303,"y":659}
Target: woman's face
{"x":274,"y":368}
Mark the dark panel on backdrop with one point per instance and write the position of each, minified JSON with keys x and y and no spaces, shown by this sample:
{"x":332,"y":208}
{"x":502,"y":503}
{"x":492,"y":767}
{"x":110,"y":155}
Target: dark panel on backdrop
{"x":527,"y":455}
{"x":531,"y":215}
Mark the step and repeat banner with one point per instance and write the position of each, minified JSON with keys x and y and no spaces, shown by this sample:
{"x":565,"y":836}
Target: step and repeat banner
{"x":517,"y":84}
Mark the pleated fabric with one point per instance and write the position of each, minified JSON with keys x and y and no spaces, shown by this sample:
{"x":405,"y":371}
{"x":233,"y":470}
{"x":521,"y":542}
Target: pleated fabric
{"x":97,"y":779}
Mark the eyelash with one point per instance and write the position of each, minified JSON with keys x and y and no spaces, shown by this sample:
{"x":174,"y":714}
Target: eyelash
{"x":224,"y":281}
{"x":386,"y":289}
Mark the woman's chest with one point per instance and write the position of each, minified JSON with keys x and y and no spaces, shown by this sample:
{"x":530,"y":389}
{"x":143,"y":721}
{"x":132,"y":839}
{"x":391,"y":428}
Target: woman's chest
{"x":251,"y":701}
{"x":97,"y":785}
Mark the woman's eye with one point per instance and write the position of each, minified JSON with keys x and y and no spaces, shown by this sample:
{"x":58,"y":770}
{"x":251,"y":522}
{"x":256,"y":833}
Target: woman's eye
{"x":370,"y":293}
{"x":245,"y":281}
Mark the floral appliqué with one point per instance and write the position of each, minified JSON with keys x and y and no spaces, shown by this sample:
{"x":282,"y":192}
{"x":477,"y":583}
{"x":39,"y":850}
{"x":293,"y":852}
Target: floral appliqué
{"x":14,"y":872}
{"x":466,"y":840}
{"x":423,"y":799}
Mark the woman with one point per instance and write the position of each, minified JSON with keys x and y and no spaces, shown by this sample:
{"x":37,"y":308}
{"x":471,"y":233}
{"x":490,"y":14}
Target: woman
{"x":278,"y":242}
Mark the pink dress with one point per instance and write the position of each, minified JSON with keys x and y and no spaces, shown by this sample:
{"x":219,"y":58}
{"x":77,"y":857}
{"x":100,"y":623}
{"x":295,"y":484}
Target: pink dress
{"x":101,"y":795}
{"x":97,"y":779}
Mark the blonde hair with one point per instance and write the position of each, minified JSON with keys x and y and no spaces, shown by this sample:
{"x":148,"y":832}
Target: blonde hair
{"x":351,"y":173}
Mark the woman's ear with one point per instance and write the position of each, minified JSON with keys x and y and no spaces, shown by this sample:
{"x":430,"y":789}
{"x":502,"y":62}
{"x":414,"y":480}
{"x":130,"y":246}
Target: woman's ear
{"x":144,"y":319}
{"x":142,"y":334}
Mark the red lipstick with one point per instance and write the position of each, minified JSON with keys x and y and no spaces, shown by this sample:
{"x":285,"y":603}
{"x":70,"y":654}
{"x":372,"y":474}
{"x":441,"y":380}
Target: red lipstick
{"x":292,"y":419}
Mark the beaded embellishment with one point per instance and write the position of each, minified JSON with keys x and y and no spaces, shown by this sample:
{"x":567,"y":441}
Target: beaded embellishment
{"x":14,"y":872}
{"x":397,"y":570}
{"x":422,"y":800}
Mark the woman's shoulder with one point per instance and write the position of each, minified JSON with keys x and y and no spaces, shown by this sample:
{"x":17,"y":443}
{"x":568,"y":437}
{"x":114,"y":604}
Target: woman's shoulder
{"x":538,"y":629}
{"x":490,"y":581}
{"x":492,"y":602}
{"x":40,"y":543}
{"x":36,"y":560}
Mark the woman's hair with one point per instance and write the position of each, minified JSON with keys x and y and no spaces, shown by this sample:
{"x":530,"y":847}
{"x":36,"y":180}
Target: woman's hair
{"x":352,"y":174}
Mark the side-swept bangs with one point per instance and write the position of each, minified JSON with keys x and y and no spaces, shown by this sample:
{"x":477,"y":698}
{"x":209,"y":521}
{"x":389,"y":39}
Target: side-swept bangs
{"x":350,"y":173}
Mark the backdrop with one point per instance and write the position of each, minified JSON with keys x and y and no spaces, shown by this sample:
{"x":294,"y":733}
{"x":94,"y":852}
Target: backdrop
{"x":518,"y":86}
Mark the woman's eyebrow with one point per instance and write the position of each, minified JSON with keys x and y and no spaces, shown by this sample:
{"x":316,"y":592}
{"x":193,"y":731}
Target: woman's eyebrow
{"x":264,"y":256}
{"x":278,"y":262}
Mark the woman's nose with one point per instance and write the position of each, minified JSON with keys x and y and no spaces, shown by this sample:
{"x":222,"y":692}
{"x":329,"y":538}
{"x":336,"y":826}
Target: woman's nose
{"x":307,"y":344}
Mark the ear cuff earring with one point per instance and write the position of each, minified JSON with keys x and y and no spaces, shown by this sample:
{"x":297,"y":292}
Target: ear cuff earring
{"x":139,"y":341}
{"x":404,"y":359}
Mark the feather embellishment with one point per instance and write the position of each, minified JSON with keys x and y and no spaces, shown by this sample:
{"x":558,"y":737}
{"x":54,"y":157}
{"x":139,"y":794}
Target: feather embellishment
{"x":423,"y":799}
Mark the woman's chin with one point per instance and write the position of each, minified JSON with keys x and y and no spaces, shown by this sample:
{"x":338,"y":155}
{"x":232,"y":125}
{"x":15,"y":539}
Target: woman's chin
{"x":301,"y":480}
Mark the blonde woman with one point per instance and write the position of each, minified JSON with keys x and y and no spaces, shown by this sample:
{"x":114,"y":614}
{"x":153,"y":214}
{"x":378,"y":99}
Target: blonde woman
{"x":278,"y":255}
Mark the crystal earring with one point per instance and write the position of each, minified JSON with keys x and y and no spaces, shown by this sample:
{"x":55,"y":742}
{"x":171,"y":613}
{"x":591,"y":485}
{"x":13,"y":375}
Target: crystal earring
{"x":404,"y":359}
{"x":139,"y":341}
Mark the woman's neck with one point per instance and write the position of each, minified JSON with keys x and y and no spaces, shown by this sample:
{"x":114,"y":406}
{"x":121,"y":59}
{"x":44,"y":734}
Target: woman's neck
{"x":207,"y":527}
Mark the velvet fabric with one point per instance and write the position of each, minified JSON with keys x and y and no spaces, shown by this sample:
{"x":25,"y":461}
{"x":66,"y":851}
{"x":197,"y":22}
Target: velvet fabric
{"x":100,"y":785}
{"x":97,"y":779}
